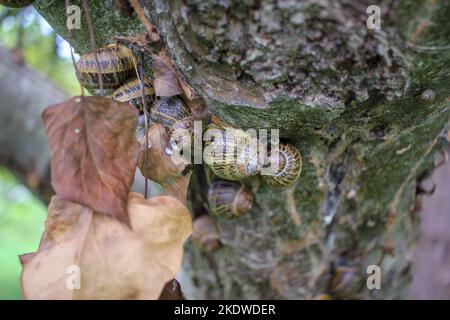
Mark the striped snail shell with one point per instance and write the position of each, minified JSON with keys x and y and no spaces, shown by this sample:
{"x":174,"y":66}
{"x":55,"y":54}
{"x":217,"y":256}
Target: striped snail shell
{"x":16,"y":3}
{"x":181,"y":131}
{"x":168,"y":110}
{"x":289,"y":164}
{"x":130,"y":92}
{"x":117,"y":64}
{"x":229,"y":199}
{"x":233,"y":155}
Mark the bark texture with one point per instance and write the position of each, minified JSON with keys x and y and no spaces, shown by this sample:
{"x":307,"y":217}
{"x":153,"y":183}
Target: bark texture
{"x":346,"y":96}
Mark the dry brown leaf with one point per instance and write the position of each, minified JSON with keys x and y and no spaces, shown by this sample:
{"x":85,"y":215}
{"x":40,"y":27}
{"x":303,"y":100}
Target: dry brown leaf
{"x":187,"y":89}
{"x":114,"y":260}
{"x":161,"y":169}
{"x":166,"y":80}
{"x":93,"y":152}
{"x":172,"y":291}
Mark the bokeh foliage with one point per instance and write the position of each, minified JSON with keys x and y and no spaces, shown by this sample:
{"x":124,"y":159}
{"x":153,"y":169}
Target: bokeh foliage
{"x":22,"y":215}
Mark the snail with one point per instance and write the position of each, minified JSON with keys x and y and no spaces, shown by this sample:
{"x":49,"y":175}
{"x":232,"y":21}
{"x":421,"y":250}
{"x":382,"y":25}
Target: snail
{"x":427,"y":96}
{"x":205,"y":234}
{"x":130,"y":92}
{"x":117,"y":66}
{"x":180,"y":133}
{"x":229,"y":199}
{"x":123,"y":8}
{"x":168,"y":110}
{"x":346,"y":281}
{"x":233,"y":155}
{"x":289,"y":167}
{"x":16,"y":3}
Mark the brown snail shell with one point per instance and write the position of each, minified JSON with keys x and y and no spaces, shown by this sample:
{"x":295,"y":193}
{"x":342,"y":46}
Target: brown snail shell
{"x":346,"y":281}
{"x":289,"y":168}
{"x":168,"y":110}
{"x":205,"y":234}
{"x":229,"y":199}
{"x":123,"y":7}
{"x":233,"y":156}
{"x":130,"y":92}
{"x":117,"y":66}
{"x":16,"y":3}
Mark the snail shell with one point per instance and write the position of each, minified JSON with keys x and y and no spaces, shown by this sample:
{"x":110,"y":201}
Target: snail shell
{"x":289,"y":167}
{"x":168,"y":110}
{"x":117,"y":66}
{"x":16,"y":3}
{"x":181,"y":132}
{"x":205,"y":234}
{"x":346,"y":282}
{"x":228,"y":199}
{"x":233,"y":156}
{"x":123,"y":7}
{"x":427,"y":96}
{"x":130,"y":92}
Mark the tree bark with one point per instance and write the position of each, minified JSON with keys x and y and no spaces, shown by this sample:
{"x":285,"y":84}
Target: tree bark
{"x":23,"y":145}
{"x":348,"y":97}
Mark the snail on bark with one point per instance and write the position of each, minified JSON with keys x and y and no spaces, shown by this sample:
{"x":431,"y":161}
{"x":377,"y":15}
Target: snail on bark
{"x":346,"y":281}
{"x":287,"y":167}
{"x":16,"y":3}
{"x":131,"y":92}
{"x":229,"y":199}
{"x":427,"y":96}
{"x":233,"y":154}
{"x":123,"y":7}
{"x":117,"y":65}
{"x":180,"y":133}
{"x":168,"y":110}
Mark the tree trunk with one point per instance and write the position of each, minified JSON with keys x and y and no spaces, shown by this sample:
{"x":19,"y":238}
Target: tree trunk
{"x":23,"y":145}
{"x":348,"y":97}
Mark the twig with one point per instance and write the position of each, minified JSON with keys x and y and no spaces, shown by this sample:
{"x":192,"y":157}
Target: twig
{"x":93,"y":43}
{"x":77,"y":71}
{"x":154,"y":36}
{"x":144,"y":105}
{"x":140,"y":76}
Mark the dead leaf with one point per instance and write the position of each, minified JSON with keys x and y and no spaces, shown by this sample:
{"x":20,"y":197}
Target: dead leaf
{"x":172,"y":291}
{"x":206,"y":234}
{"x":167,"y":170}
{"x":166,"y":80}
{"x":93,"y":152}
{"x":199,"y":110}
{"x":187,"y":89}
{"x":114,"y":261}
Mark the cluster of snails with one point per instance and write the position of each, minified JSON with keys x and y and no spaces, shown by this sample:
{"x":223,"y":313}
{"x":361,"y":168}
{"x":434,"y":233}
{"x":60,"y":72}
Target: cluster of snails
{"x":234,"y":156}
{"x":16,"y":3}
{"x":116,"y":65}
{"x":231,"y":156}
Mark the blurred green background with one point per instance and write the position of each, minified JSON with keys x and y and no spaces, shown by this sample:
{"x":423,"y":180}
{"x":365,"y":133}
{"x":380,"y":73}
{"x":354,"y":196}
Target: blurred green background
{"x":22,"y":215}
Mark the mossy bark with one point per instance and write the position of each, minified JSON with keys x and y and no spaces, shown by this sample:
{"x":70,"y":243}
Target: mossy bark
{"x":346,"y":96}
